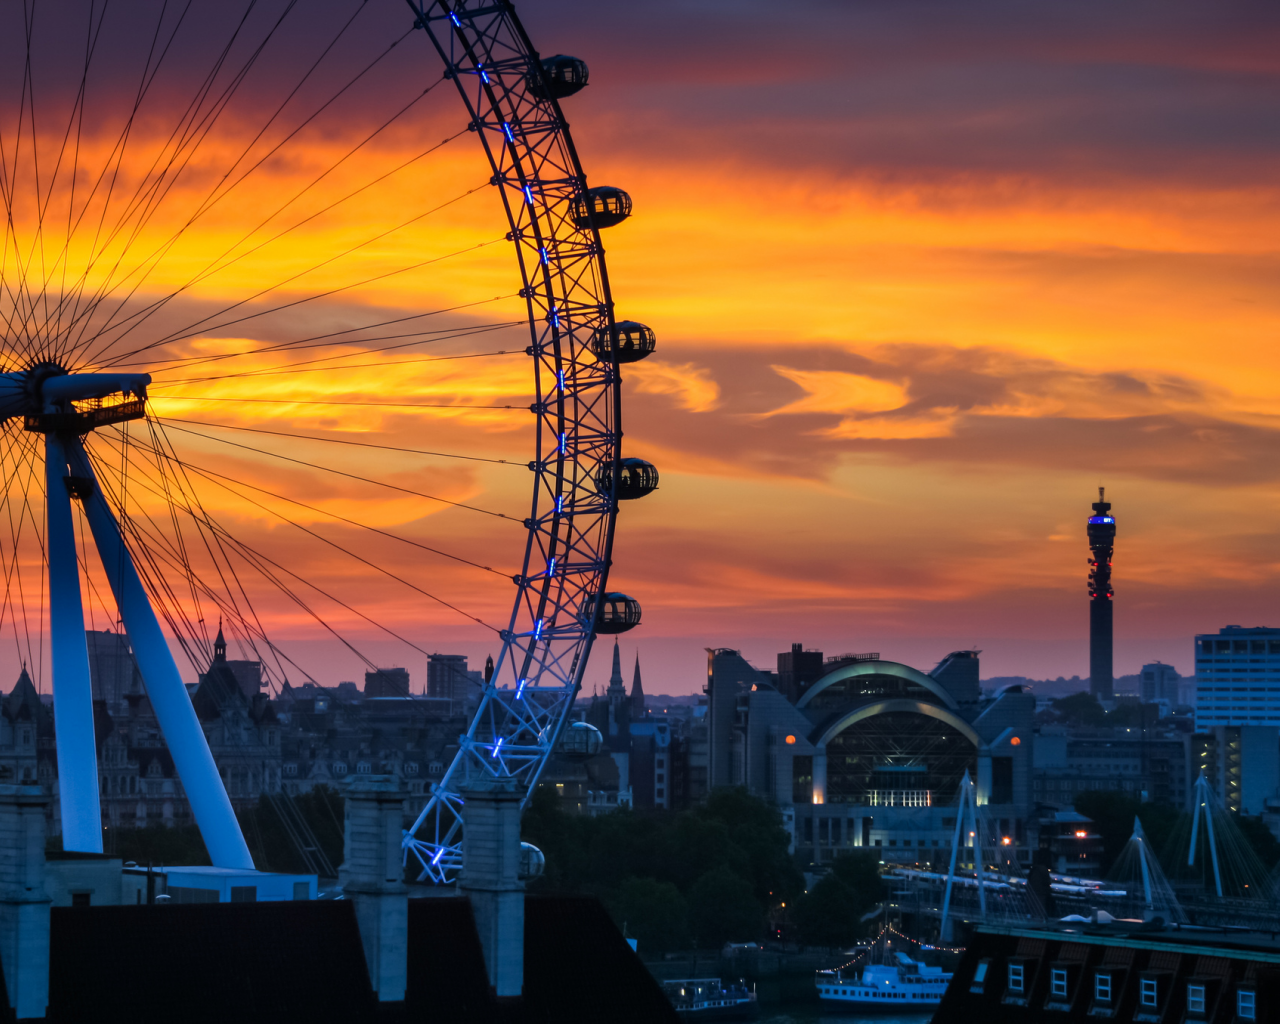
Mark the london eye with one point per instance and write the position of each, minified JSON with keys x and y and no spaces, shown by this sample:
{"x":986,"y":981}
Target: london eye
{"x":254,"y":254}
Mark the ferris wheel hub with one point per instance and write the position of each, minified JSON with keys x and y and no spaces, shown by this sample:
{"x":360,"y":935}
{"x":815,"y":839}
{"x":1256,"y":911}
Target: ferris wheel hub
{"x":50,"y":399}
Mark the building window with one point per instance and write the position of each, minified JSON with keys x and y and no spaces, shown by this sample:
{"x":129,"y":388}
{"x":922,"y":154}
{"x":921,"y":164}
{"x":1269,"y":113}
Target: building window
{"x":435,"y":768}
{"x":291,"y":769}
{"x":1015,"y":977}
{"x":1246,"y":1004}
{"x":362,"y":767}
{"x":411,"y":768}
{"x":1195,"y":999}
{"x":339,"y":768}
{"x":1102,"y":988}
{"x":1150,"y":992}
{"x":1058,"y":982}
{"x":980,"y":975}
{"x":661,"y":793}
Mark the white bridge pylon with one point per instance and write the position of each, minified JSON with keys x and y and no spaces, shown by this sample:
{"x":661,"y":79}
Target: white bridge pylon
{"x":68,"y":474}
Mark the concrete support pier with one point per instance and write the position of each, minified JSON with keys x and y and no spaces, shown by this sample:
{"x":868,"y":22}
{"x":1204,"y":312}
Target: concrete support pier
{"x":491,"y":878}
{"x":372,"y":877}
{"x":24,"y":903}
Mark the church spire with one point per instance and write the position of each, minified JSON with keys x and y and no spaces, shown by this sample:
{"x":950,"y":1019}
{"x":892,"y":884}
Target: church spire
{"x":616,"y":686}
{"x":219,"y":645}
{"x":637,"y":692}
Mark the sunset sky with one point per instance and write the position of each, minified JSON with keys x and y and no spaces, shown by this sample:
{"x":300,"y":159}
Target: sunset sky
{"x":923,"y":276}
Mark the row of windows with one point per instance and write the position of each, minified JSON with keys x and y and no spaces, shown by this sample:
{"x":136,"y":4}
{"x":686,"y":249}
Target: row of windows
{"x":1148,"y":993}
{"x":365,"y":768}
{"x":1240,"y":646}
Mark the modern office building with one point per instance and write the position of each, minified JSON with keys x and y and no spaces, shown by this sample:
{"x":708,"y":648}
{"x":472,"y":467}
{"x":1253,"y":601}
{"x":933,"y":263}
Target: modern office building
{"x":1238,"y":714}
{"x":1159,"y":766}
{"x":1159,"y":682}
{"x":1102,"y":539}
{"x":1238,"y":677}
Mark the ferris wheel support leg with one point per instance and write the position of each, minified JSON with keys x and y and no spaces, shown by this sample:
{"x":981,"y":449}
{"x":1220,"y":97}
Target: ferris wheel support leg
{"x":78,"y":796}
{"x":210,"y":804}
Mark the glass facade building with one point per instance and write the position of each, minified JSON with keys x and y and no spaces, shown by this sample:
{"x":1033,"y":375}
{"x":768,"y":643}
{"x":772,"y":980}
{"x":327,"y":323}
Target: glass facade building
{"x":1238,"y":677}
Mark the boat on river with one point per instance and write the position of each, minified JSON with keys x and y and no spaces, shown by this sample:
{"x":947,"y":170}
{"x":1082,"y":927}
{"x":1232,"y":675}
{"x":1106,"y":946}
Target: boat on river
{"x":901,"y":984}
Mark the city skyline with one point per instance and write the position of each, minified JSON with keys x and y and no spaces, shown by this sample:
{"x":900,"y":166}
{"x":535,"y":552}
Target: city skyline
{"x":918,"y":292}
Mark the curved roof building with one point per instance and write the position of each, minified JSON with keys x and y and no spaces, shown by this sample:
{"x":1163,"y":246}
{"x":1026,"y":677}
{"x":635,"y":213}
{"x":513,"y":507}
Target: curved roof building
{"x":868,"y":752}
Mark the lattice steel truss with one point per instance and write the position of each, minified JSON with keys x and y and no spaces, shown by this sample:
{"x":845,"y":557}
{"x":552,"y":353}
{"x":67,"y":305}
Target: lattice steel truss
{"x":570,"y":528}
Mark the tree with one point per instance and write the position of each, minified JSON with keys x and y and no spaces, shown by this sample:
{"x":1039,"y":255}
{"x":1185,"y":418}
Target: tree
{"x":860,"y":871}
{"x":1080,"y":709}
{"x":723,"y":908}
{"x":653,"y":913}
{"x":1260,"y":838}
{"x":755,"y":827}
{"x":830,"y":913}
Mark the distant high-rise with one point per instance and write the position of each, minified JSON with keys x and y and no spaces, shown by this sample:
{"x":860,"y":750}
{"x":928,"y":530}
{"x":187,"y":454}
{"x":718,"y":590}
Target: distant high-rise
{"x":1102,"y":541}
{"x":387,"y":682}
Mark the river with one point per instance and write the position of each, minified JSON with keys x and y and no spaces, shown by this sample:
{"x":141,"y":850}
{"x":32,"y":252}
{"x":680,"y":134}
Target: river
{"x":817,"y":1015}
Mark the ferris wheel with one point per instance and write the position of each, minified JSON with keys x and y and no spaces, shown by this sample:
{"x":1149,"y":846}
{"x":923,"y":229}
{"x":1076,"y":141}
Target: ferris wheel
{"x":251,"y":260}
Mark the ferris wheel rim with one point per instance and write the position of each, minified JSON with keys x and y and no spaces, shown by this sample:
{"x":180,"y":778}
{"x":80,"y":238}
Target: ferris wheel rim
{"x":439,"y":855}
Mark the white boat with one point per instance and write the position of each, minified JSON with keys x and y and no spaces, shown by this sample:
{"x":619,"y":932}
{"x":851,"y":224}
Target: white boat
{"x":903,"y":986}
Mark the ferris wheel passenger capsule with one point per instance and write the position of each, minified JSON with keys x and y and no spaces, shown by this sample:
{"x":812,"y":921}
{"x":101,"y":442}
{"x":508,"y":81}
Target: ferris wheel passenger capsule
{"x":561,"y":76}
{"x":579,"y":741}
{"x":635,"y":342}
{"x":618,"y":613}
{"x":602,"y":207}
{"x":636,"y":478}
{"x":532,"y":862}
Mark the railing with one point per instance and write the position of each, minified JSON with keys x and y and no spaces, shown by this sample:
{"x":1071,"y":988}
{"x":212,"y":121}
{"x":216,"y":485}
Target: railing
{"x":899,"y":798}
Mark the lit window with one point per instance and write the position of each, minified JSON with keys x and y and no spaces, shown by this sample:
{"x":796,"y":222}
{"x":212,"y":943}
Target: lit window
{"x":1195,"y":999}
{"x":1246,"y":1004}
{"x":1058,"y":982}
{"x":1150,"y":992}
{"x":980,"y":975}
{"x":1102,"y":988}
{"x":1015,"y":977}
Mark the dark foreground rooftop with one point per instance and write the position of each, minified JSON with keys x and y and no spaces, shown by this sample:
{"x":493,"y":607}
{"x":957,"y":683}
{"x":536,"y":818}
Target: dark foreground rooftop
{"x":280,"y":963}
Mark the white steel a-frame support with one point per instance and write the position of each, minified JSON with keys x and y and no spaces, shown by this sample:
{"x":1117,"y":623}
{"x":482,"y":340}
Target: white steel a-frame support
{"x":1204,"y":806}
{"x":67,"y":468}
{"x":72,"y":692}
{"x":966,"y":818}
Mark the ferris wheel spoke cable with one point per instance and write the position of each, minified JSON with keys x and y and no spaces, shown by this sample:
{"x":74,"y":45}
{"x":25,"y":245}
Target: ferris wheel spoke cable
{"x":221,"y":262}
{"x":23,"y":463}
{"x":338,"y":440}
{"x":208,"y":535}
{"x":320,"y":369}
{"x":137,"y":318}
{"x":189,"y":333}
{"x":202,"y":326}
{"x":351,"y":476}
{"x":151,"y":191}
{"x":215,"y":195}
{"x":305,"y":365}
{"x":419,"y":338}
{"x":155,"y":549}
{"x":215,"y":477}
{"x":167,"y":363}
{"x":259,"y":555}
{"x":362,"y":405}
